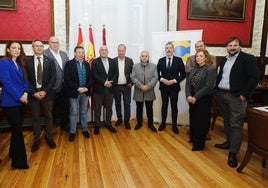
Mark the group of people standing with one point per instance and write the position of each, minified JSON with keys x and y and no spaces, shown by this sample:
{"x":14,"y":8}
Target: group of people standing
{"x":49,"y":76}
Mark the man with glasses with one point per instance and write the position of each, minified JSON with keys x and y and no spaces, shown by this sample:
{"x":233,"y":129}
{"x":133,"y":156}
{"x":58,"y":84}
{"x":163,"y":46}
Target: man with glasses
{"x":42,"y":76}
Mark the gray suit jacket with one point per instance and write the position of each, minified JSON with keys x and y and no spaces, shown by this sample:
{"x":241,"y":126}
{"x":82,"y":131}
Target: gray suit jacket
{"x":205,"y":81}
{"x":59,"y":71}
{"x":144,"y":76}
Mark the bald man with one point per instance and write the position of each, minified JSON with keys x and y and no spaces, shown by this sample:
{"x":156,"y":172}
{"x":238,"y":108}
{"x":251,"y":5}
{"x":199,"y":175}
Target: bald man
{"x":105,"y":76}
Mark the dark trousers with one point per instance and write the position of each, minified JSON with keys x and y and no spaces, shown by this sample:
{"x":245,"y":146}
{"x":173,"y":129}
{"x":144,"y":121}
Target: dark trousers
{"x":167,"y":94}
{"x":106,"y":100}
{"x":124,"y":90}
{"x":17,"y":147}
{"x":47,"y":109}
{"x":62,"y":101}
{"x":149,"y":111}
{"x":200,"y":120}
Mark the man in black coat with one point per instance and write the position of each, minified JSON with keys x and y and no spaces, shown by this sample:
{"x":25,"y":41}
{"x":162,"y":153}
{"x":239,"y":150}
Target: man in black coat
{"x":42,"y":77}
{"x":236,"y":81}
{"x":105,"y":76}
{"x":171,"y":72}
{"x":78,"y":78}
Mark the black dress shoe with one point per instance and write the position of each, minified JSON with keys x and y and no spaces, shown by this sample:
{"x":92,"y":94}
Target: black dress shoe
{"x":232,"y":160}
{"x":138,"y":126}
{"x":21,"y":167}
{"x":86,"y":134}
{"x":111,"y":128}
{"x":127,"y":125}
{"x":175,"y":129}
{"x":71,"y":137}
{"x":197,"y":148}
{"x":118,"y":122}
{"x":51,"y":144}
{"x":224,"y":145}
{"x":65,"y":128}
{"x":152,"y":128}
{"x":96,"y":130}
{"x":162,"y":127}
{"x":35,"y":146}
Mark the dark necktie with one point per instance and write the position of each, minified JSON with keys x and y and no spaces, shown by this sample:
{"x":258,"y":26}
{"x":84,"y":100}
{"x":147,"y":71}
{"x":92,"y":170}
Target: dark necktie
{"x":39,"y":71}
{"x":169,"y":62}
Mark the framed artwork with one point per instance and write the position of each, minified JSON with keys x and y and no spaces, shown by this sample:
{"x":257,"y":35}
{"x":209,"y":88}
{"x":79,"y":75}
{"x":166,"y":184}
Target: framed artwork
{"x":28,"y":24}
{"x":229,"y":10}
{"x":217,"y":27}
{"x":8,"y":5}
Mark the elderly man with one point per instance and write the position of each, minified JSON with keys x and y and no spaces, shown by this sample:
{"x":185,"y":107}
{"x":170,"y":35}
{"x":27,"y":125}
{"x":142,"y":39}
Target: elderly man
{"x":60,"y":59}
{"x":105,"y":76}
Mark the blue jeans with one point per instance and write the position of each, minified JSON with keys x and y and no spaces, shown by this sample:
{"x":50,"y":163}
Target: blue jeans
{"x":78,"y":106}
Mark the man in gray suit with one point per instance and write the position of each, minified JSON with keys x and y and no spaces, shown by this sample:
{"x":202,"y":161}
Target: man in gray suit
{"x":124,"y":66}
{"x":60,"y":58}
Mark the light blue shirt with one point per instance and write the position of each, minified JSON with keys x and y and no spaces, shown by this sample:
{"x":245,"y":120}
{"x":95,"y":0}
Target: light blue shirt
{"x":225,"y":80}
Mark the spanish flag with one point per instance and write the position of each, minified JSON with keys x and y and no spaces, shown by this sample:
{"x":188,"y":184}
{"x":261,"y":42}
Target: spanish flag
{"x":91,"y":47}
{"x":103,"y":35}
{"x":80,"y":36}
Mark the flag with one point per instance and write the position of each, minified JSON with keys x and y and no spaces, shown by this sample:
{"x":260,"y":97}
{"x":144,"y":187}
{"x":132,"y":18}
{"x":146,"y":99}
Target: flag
{"x":80,"y":36}
{"x":91,"y":47}
{"x":103,"y":35}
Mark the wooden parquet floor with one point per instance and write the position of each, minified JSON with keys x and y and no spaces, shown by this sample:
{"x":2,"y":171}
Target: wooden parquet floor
{"x":129,"y":158}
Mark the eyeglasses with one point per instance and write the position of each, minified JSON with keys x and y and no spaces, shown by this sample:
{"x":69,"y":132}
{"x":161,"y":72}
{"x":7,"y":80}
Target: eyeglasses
{"x":39,"y":46}
{"x":54,"y":42}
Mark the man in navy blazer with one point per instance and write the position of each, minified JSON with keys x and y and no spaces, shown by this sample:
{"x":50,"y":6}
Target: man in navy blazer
{"x":78,"y":78}
{"x":41,"y":94}
{"x":236,"y":81}
{"x":171,"y":72}
{"x":60,"y":59}
{"x":105,"y":76}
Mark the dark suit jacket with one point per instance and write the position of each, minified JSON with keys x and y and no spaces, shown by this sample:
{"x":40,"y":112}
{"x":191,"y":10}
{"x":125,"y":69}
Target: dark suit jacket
{"x":177,"y":72}
{"x":48,"y":79}
{"x":100,"y":76}
{"x":128,"y":68}
{"x":204,"y":81}
{"x":59,"y":71}
{"x":244,"y":75}
{"x":71,"y":78}
{"x":12,"y":82}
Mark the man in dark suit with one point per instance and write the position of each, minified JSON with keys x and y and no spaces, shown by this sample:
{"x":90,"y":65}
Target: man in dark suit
{"x":42,"y":77}
{"x":171,"y":72}
{"x":105,"y":76}
{"x":236,"y":81}
{"x":78,"y":78}
{"x":60,"y":59}
{"x":123,"y":87}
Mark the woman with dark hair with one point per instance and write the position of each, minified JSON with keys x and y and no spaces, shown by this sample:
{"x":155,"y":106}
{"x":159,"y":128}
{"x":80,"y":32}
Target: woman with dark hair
{"x":15,"y":90}
{"x":199,"y":89}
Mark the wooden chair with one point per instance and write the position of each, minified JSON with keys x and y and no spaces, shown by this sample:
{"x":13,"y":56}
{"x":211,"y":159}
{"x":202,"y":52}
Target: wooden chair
{"x":257,"y":136}
{"x":214,"y":113}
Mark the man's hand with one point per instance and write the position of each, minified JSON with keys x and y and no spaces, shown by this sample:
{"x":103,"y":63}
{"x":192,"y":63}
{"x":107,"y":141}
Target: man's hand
{"x":82,"y":90}
{"x":109,"y":84}
{"x":144,"y":88}
{"x":168,"y":82}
